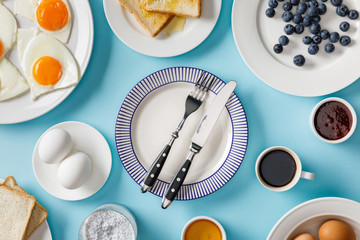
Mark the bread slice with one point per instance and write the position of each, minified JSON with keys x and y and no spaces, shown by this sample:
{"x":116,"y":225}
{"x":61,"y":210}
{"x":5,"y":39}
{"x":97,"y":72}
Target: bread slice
{"x":39,"y":213}
{"x":15,"y":212}
{"x":185,"y":8}
{"x":152,"y":22}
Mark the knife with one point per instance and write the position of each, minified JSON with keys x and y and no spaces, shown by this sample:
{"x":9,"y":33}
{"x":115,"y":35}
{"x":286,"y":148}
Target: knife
{"x":198,"y":140}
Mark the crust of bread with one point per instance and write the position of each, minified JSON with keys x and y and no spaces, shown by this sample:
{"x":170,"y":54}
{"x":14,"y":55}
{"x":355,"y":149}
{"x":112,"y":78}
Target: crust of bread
{"x":139,"y":19}
{"x":176,"y":12}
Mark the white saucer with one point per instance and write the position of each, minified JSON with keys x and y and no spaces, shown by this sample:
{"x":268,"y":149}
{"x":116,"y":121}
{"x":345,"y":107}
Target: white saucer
{"x":85,"y":139}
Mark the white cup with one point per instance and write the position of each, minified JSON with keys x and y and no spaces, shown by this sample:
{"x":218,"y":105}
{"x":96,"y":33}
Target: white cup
{"x":298,"y":172}
{"x":191,"y":221}
{"x":335,"y":99}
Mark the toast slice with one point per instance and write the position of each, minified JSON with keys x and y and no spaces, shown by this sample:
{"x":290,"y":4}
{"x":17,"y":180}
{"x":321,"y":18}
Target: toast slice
{"x":152,"y":22}
{"x":39,"y":213}
{"x":15,"y":212}
{"x":185,"y":8}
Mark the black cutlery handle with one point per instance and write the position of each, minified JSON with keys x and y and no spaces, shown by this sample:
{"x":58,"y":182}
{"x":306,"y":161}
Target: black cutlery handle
{"x":156,"y":167}
{"x":177,"y":182}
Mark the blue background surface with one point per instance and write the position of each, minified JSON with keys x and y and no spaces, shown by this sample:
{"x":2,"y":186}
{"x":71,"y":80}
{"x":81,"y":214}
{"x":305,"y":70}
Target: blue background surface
{"x":245,"y":208}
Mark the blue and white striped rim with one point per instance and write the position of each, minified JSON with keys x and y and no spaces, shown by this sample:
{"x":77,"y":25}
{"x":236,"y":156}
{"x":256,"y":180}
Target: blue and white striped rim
{"x":131,"y":162}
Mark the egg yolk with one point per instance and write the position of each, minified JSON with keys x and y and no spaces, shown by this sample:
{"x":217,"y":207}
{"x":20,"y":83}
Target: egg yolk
{"x":47,"y":71}
{"x":1,"y":49}
{"x":52,"y":15}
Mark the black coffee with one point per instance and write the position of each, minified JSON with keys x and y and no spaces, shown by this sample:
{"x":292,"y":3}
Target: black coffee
{"x":277,"y":168}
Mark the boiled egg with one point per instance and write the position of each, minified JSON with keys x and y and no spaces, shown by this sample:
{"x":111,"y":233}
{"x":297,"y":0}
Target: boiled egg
{"x":54,"y":146}
{"x":51,"y":16}
{"x":74,"y":170}
{"x":47,"y":64}
{"x":336,"y":230}
{"x":305,"y":236}
{"x":12,"y":84}
{"x":8,"y":30}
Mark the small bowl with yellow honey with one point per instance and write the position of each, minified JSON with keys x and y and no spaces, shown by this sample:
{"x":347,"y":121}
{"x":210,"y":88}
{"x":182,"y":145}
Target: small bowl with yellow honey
{"x":203,"y":228}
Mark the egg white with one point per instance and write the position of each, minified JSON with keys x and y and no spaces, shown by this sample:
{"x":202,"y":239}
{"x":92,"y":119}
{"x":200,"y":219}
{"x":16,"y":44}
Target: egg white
{"x":32,"y":44}
{"x":12,"y":84}
{"x":8,"y":29}
{"x":27,"y":9}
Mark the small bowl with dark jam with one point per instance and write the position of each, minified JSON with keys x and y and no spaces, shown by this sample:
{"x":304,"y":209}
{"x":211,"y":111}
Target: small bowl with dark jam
{"x":333,"y":120}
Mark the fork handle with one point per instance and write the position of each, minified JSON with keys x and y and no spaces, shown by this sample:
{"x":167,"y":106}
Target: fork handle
{"x":155,"y":169}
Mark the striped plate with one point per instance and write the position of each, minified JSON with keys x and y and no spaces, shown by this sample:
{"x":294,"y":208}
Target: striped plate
{"x":150,"y":113}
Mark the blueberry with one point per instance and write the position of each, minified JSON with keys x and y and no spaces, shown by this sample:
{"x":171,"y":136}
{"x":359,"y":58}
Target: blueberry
{"x":345,"y":40}
{"x":313,"y":3}
{"x":299,"y":28}
{"x":307,"y":21}
{"x":342,"y":10}
{"x":312,"y":11}
{"x":299,"y":60}
{"x":287,"y":6}
{"x":287,"y":16}
{"x":353,"y":14}
{"x":280,"y":0}
{"x":307,"y":40}
{"x":316,"y":39}
{"x":316,"y":18}
{"x":301,"y":8}
{"x":313,"y":49}
{"x":324,"y":34}
{"x":297,"y":18}
{"x":270,"y":12}
{"x":289,"y":29}
{"x":273,"y":3}
{"x":344,"y":26}
{"x":334,"y":37}
{"x":324,"y":0}
{"x":315,"y":28}
{"x":322,"y":9}
{"x":294,"y":2}
{"x":329,"y":47}
{"x":278,"y":48}
{"x":283,"y":40}
{"x":336,"y":3}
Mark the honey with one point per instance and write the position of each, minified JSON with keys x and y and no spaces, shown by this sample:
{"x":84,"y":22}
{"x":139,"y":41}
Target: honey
{"x":203,"y":229}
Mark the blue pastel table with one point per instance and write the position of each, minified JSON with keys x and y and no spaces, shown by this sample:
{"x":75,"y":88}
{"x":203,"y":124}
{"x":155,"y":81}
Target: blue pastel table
{"x":245,"y":208}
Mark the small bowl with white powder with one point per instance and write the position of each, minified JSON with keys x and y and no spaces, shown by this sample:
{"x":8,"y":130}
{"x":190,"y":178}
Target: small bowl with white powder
{"x":109,"y":222}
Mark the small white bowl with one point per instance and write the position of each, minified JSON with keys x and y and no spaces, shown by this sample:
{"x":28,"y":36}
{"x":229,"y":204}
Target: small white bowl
{"x":223,"y":234}
{"x":352,"y":111}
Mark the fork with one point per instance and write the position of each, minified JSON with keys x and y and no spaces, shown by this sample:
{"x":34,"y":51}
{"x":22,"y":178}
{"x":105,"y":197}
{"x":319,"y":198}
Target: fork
{"x":192,"y":103}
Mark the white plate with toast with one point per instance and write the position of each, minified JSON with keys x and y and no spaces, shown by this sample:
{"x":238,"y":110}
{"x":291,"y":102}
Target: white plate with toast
{"x":42,"y":232}
{"x":80,"y":44}
{"x":130,"y":32}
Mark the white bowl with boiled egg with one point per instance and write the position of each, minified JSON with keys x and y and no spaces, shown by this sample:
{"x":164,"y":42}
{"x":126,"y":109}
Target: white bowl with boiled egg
{"x":72,"y":160}
{"x":308,"y":219}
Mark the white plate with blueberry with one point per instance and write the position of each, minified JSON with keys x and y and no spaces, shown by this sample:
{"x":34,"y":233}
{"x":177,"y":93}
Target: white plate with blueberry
{"x":303,"y":48}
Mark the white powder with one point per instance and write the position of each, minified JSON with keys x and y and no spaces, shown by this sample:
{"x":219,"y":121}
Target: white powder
{"x":108,"y":225}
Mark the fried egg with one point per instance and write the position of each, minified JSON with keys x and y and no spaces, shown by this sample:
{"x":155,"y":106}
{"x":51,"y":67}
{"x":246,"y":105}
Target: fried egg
{"x":51,"y":16}
{"x":12,"y":84}
{"x":47,"y":64}
{"x":8,"y":30}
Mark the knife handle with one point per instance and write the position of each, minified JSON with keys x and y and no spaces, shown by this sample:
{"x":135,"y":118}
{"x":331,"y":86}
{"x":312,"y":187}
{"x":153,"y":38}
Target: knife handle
{"x":155,"y":169}
{"x":177,"y":181}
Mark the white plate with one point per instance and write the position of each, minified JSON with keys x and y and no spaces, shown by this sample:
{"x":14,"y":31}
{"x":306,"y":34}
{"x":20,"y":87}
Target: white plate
{"x":308,"y":217}
{"x":22,"y":108}
{"x":255,"y":35}
{"x":42,"y":232}
{"x":151,"y":112}
{"x":129,"y":31}
{"x":85,"y":139}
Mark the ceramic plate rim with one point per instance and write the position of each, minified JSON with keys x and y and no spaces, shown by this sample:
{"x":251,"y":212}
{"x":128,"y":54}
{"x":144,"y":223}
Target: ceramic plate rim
{"x":84,"y":50}
{"x":45,"y":222}
{"x":301,"y":209}
{"x":133,"y":39}
{"x":100,"y":139}
{"x":201,"y":188}
{"x":269,"y":74}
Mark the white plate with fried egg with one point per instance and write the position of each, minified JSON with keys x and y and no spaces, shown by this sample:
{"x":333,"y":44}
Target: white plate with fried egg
{"x":47,"y":43}
{"x":130,"y":32}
